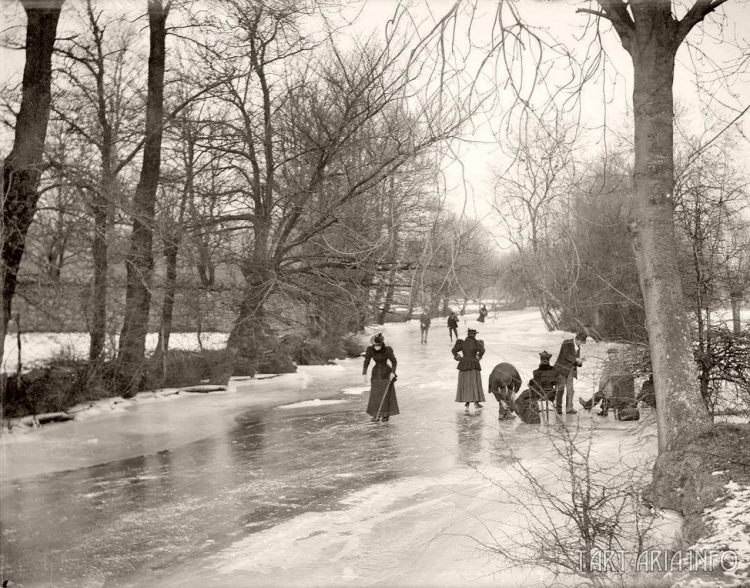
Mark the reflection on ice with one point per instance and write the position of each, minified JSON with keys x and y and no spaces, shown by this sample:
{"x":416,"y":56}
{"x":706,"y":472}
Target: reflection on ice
{"x":230,"y":491}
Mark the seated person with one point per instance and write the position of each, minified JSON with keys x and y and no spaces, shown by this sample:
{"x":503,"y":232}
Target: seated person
{"x":647,"y":395}
{"x":545,"y":378}
{"x":616,"y":386}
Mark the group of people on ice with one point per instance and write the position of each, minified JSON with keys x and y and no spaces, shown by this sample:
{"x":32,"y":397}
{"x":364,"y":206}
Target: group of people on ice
{"x":550,"y":383}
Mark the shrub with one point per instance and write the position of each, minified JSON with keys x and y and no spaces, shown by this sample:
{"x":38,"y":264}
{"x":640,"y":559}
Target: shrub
{"x":352,"y":346}
{"x":188,"y":368}
{"x":42,"y":390}
{"x":590,"y":508}
{"x":66,"y":382}
{"x":726,"y":367}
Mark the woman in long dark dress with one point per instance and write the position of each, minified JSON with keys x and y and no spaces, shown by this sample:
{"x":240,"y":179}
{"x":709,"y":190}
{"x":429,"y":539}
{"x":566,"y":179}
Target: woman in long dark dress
{"x":383,"y":402}
{"x":469,"y":370}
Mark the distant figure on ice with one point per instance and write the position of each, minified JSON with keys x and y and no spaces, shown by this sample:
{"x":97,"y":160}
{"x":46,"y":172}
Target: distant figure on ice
{"x":616,"y":386}
{"x":469,"y":370}
{"x":382,"y":403}
{"x":482,"y":313}
{"x":567,"y":363}
{"x":424,"y":326}
{"x":504,"y":382}
{"x":453,"y":326}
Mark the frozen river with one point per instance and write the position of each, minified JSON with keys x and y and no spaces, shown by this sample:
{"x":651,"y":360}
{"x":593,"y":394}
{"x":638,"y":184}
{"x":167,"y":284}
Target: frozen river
{"x":285,"y":482}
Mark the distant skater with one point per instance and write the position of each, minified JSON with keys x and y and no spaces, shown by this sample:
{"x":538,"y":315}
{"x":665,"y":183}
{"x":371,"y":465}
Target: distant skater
{"x":424,"y":326}
{"x":482,"y":313}
{"x":382,"y":403}
{"x":453,"y":326}
{"x":469,"y":370}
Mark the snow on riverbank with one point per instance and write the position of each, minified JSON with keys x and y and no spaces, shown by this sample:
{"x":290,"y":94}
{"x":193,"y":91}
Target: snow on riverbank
{"x":114,"y":428}
{"x":36,"y":348}
{"x":730,"y":527}
{"x":425,"y":529}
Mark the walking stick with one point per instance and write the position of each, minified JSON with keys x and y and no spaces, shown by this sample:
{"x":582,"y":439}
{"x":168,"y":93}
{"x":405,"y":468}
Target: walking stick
{"x":382,"y":400}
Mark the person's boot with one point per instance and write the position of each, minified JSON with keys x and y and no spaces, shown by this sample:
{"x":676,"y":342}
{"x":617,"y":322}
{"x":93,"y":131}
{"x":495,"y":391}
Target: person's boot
{"x":385,"y":419}
{"x":374,"y":420}
{"x":477,"y":405}
{"x":586,"y":404}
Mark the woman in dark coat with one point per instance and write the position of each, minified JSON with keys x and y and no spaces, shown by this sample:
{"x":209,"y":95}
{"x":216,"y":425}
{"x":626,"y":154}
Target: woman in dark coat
{"x":383,"y":402}
{"x":469,"y":370}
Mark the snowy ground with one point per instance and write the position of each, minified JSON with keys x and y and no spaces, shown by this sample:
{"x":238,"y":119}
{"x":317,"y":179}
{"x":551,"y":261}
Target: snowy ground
{"x":37,"y":348}
{"x":285,"y":482}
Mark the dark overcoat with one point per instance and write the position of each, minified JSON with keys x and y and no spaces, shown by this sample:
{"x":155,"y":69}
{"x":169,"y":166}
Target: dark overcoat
{"x":471,"y":350}
{"x":568,"y":359}
{"x":382,"y":401}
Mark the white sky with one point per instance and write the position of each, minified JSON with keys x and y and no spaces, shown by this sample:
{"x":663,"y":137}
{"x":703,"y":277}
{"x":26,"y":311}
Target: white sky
{"x":468,"y":171}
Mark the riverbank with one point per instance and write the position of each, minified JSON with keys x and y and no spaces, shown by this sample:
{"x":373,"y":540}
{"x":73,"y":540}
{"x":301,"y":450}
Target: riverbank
{"x":116,"y":428}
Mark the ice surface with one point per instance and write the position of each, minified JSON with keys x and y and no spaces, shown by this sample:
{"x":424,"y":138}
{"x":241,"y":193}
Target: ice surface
{"x":231,"y":489}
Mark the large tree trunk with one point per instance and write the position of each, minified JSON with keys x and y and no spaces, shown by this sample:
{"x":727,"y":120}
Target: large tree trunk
{"x":680,"y":410}
{"x":171,"y":248}
{"x":22,"y":167}
{"x":101,"y":203}
{"x":410,"y":305}
{"x":205,"y":265}
{"x":140,"y":261}
{"x":736,"y":306}
{"x":252,"y":340}
{"x":98,"y":329}
{"x":390,"y":290}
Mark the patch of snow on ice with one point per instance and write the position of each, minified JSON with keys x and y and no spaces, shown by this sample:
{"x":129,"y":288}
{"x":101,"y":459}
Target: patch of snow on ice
{"x":356,"y":390}
{"x":307,"y":403}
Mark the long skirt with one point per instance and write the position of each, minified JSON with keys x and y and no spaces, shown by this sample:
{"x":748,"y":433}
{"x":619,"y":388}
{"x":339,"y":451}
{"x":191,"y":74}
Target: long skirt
{"x":390,"y":404}
{"x":470,"y":386}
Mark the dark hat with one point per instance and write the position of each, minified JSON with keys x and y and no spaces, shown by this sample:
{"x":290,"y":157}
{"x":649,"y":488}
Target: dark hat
{"x":377,"y":339}
{"x":545,"y":355}
{"x":472,"y":332}
{"x":581,"y":335}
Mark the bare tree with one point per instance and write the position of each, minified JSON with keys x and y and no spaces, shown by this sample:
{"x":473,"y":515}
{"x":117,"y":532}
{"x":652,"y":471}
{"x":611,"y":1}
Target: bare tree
{"x":140,"y":261}
{"x":22,"y":167}
{"x":735,"y":272}
{"x":101,"y":108}
{"x":708,"y":194}
{"x":306,"y":137}
{"x":651,"y":35}
{"x":531,"y":200}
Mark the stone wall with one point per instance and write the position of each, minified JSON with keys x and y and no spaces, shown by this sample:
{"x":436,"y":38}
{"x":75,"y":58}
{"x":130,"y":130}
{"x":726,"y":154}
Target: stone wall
{"x":66,"y":307}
